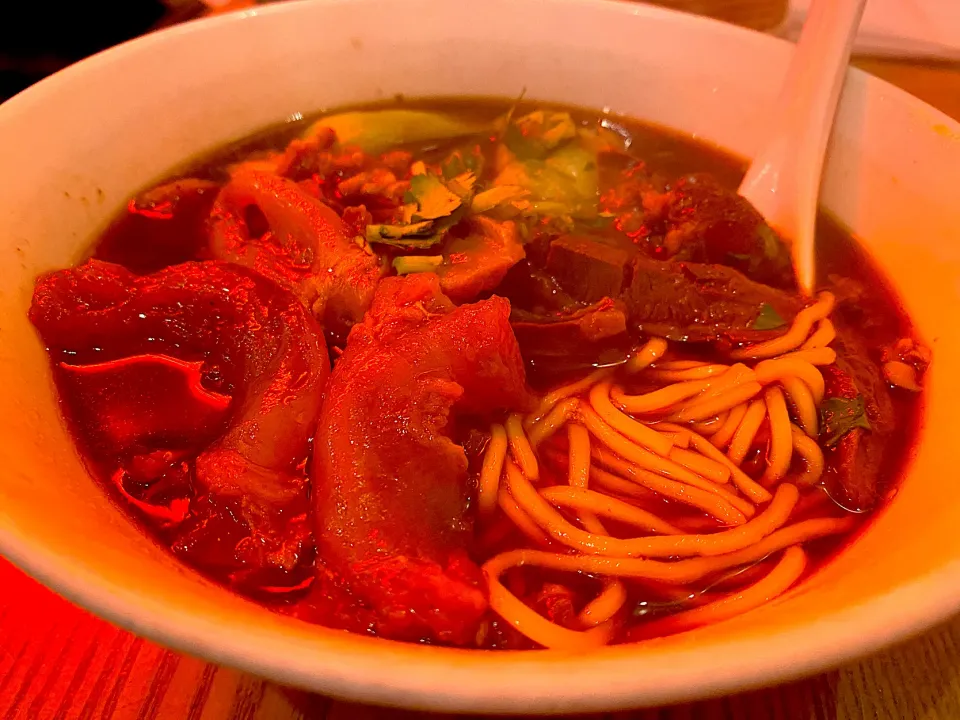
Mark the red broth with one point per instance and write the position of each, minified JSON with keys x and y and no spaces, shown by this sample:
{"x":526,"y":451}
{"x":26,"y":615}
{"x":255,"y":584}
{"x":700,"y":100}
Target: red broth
{"x":175,"y":409}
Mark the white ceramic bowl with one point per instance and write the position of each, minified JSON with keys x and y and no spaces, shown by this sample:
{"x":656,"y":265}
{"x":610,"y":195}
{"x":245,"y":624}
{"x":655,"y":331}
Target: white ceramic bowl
{"x":75,"y":146}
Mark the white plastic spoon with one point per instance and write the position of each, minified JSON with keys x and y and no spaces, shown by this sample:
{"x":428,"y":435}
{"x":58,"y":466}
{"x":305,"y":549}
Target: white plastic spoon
{"x":783,"y":181}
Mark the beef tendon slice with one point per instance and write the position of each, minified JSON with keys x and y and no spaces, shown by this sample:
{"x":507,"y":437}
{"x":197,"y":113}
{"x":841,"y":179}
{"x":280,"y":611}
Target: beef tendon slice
{"x":478,"y":259}
{"x":255,"y":338}
{"x":270,"y":224}
{"x":162,"y":226}
{"x":390,"y":484}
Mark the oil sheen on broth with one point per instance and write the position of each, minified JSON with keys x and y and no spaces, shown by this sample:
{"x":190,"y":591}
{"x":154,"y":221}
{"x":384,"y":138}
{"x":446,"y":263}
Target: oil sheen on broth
{"x":484,"y":374}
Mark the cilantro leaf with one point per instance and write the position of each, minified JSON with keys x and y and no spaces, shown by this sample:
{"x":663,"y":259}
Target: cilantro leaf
{"x":462,"y":184}
{"x":839,"y":416}
{"x":432,"y":208}
{"x":768,"y":319}
{"x":462,"y":160}
{"x":433,"y":198}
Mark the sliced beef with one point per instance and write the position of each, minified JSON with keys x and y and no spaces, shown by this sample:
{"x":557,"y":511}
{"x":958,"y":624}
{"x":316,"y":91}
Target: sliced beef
{"x":698,"y":303}
{"x":591,"y":268}
{"x":557,"y":344}
{"x":705,"y":222}
{"x":389,"y":482}
{"x":557,"y":334}
{"x":681,"y":301}
{"x":530,"y":288}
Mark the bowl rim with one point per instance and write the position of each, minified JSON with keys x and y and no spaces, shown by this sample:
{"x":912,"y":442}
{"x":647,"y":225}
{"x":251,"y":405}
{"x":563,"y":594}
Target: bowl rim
{"x":377,"y":676}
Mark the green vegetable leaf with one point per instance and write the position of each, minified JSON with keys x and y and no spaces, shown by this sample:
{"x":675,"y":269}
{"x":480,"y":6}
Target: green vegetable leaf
{"x":380,"y":130}
{"x":579,"y":166}
{"x":566,"y":182}
{"x":545,"y":153}
{"x":433,"y":198}
{"x":495,"y":196}
{"x":420,"y":229}
{"x":462,"y":185}
{"x":408,"y":264}
{"x":536,"y":134}
{"x":432,"y":207}
{"x":768,"y":319}
{"x":839,"y":416}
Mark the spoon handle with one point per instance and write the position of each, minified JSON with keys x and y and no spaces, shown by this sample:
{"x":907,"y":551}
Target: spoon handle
{"x":783,"y":180}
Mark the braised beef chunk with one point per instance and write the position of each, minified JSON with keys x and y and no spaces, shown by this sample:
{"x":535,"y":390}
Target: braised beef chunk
{"x":530,"y":288}
{"x":697,"y":219}
{"x":556,"y":344}
{"x":590,"y":268}
{"x":590,"y":285}
{"x":681,"y":301}
{"x":257,"y":343}
{"x":389,"y":481}
{"x":478,"y":257}
{"x":705,"y":222}
{"x":852,"y":459}
{"x":695,"y":302}
{"x":857,"y":421}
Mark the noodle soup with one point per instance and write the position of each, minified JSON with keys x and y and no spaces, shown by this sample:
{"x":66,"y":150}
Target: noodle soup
{"x":482,"y":373}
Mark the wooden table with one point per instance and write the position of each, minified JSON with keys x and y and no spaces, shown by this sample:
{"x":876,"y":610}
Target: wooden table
{"x":58,"y":662}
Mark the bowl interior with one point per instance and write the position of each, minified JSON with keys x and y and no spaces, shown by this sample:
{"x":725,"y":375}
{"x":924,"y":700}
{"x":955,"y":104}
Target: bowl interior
{"x":74,"y":147}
